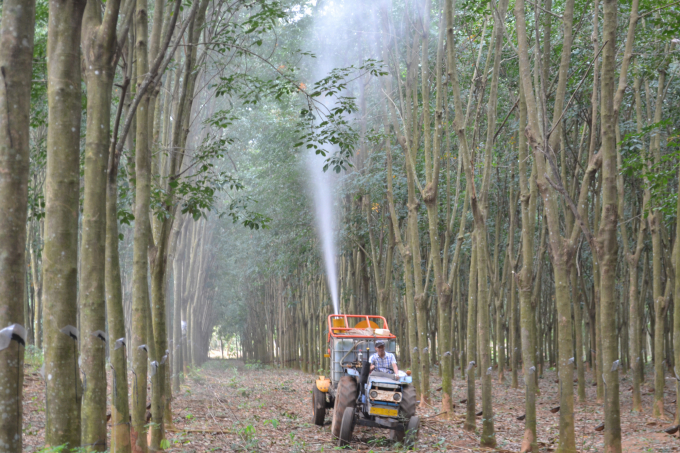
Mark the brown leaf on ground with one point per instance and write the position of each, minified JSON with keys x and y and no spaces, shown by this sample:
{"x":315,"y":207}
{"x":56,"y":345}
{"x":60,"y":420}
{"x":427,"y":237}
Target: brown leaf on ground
{"x":228,"y":407}
{"x":672,"y":430}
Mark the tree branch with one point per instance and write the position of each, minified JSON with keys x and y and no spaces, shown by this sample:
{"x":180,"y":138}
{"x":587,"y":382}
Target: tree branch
{"x":657,"y":9}
{"x":155,"y":70}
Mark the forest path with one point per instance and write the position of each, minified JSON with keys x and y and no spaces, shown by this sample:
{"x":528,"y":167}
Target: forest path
{"x":255,"y":408}
{"x":227,"y":406}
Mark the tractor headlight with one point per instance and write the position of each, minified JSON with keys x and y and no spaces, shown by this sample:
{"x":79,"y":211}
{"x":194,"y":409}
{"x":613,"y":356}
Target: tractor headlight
{"x":373,"y":394}
{"x":397,"y":397}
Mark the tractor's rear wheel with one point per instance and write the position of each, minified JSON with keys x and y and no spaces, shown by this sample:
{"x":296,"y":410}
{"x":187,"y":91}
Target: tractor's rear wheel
{"x":347,"y":427}
{"x":408,"y":401}
{"x":345,"y":396}
{"x":318,"y":406}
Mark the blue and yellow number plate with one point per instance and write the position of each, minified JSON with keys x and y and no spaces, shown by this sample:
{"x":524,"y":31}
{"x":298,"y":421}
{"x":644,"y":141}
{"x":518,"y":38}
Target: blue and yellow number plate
{"x":384,"y":412}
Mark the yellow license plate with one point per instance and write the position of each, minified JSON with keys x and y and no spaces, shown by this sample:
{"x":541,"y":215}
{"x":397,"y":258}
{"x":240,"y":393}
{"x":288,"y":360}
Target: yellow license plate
{"x":384,"y":412}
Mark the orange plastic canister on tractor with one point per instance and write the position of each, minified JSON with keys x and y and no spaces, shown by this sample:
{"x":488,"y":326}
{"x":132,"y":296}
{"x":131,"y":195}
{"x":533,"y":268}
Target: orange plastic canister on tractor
{"x":323,"y":384}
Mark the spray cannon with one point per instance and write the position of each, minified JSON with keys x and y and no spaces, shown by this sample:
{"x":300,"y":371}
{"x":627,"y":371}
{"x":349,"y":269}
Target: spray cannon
{"x":358,"y":395}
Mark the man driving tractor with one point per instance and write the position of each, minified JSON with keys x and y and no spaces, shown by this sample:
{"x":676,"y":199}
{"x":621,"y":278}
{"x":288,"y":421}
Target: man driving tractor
{"x":367,"y":390}
{"x":383,"y":362}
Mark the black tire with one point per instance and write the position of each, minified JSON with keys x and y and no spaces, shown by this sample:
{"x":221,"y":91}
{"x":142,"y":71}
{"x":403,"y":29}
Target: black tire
{"x":345,"y":396}
{"x":347,"y":427}
{"x":411,"y":434}
{"x":408,"y":437}
{"x":408,"y":401}
{"x":318,"y":406}
{"x":396,"y":436}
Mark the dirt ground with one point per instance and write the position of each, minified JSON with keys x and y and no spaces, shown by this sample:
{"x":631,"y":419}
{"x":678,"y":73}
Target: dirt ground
{"x":227,"y":406}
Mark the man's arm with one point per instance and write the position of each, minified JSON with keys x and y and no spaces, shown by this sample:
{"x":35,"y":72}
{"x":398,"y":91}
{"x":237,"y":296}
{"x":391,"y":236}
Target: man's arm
{"x":394,"y":365}
{"x":370,"y":360}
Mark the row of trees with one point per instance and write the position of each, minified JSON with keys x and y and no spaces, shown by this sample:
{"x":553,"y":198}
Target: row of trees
{"x":512,"y":203}
{"x":112,"y":155}
{"x":507,"y":180}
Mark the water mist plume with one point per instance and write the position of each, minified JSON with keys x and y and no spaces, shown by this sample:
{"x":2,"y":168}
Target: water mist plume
{"x":325,"y":221}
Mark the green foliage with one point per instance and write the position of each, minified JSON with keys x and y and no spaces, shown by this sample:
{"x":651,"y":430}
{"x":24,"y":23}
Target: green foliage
{"x":274,"y":422}
{"x":658,"y":176}
{"x":243,"y":392}
{"x":33,"y":357}
{"x":195,"y":374}
{"x":334,"y":137}
{"x":254,"y":366}
{"x":63,"y":449}
{"x":247,"y":435}
{"x":39,"y":86}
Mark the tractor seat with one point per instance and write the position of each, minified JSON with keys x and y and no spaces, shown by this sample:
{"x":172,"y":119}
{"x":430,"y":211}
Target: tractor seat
{"x":385,"y":375}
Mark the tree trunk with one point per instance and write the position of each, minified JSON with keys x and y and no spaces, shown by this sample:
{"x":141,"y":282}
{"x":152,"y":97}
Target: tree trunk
{"x":36,"y":277}
{"x":120,"y":406}
{"x":99,"y":46}
{"x":16,"y":63}
{"x":471,"y":366}
{"x":60,"y":255}
{"x":403,"y":246}
{"x":676,"y":318}
{"x":607,"y":236}
{"x":140,"y":289}
{"x":176,"y":347}
{"x":578,"y":295}
{"x":654,"y":219}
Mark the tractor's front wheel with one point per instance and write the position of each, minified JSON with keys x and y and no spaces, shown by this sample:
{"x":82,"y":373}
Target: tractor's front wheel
{"x":412,"y":432}
{"x":318,"y":406}
{"x":347,"y":427}
{"x":407,"y":438}
{"x":345,"y":396}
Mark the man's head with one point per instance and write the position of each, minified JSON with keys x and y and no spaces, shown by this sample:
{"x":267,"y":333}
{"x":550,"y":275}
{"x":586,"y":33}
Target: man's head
{"x":380,"y":347}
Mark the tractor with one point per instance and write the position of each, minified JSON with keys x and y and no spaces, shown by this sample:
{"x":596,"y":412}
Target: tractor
{"x":357,"y":396}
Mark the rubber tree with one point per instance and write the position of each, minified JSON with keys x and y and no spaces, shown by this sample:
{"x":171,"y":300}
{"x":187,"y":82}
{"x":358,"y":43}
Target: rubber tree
{"x":636,"y":359}
{"x":514,"y":340}
{"x":676,"y":320}
{"x":409,"y":139}
{"x":140,"y":285}
{"x":491,"y":113}
{"x":99,"y":48}
{"x":478,"y":205}
{"x":563,"y":248}
{"x":120,"y":404}
{"x":159,"y":253}
{"x":16,"y":65}
{"x":632,"y":257}
{"x":471,"y":341}
{"x":410,"y":144}
{"x":382,"y":280}
{"x":529,"y":200}
{"x":660,"y":292}
{"x":402,"y":245}
{"x":141,"y":320}
{"x":60,"y":254}
{"x":432,"y":145}
{"x":607,"y":237}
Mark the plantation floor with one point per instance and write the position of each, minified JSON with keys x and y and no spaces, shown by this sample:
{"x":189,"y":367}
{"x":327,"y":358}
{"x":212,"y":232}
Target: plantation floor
{"x":226,"y":406}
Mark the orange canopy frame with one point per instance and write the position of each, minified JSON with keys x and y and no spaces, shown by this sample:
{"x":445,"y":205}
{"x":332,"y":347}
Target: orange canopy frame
{"x":339,"y":325}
